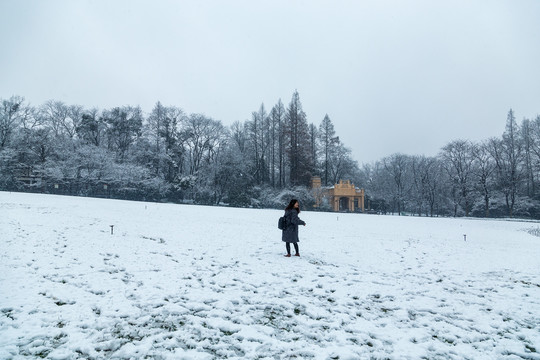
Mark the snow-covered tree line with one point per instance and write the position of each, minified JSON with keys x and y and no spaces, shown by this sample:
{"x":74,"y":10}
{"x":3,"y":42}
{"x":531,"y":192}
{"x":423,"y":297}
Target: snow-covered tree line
{"x":168,"y":155}
{"x":497,"y":177}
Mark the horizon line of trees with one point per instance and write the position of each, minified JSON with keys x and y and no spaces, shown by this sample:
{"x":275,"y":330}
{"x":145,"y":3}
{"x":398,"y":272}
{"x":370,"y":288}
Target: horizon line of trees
{"x":170,"y":155}
{"x":496,"y":177}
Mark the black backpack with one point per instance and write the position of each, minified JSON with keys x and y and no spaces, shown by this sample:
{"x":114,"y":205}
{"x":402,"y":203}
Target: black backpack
{"x":282,"y":223}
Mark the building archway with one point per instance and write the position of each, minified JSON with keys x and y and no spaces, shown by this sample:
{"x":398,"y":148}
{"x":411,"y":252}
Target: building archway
{"x":344,"y":204}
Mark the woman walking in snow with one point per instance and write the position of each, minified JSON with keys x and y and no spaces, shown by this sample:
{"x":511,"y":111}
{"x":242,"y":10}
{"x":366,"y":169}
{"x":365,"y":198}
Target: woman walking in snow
{"x":290,"y":232}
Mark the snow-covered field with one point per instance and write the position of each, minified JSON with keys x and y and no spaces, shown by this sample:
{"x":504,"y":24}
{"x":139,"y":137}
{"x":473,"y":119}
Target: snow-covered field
{"x":194,"y":282}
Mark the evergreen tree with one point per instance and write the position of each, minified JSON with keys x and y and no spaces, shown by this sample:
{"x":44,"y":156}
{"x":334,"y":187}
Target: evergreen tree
{"x":277,"y":116}
{"x":328,"y":140}
{"x":124,"y":127}
{"x":92,"y":128}
{"x":297,"y":132}
{"x":508,"y":156}
{"x":259,"y":135}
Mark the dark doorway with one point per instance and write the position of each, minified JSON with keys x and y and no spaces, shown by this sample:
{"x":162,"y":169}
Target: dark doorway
{"x":343,"y":204}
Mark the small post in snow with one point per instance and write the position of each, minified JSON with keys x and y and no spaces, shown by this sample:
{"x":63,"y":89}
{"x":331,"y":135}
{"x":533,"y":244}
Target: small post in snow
{"x":112,"y":229}
{"x":464,"y":237}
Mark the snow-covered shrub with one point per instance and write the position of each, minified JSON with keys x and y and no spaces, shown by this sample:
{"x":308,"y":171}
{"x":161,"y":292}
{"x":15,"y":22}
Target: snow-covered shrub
{"x":268,"y":197}
{"x":526,"y":207}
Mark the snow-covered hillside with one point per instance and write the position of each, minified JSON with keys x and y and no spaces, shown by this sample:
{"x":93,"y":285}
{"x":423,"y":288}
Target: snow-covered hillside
{"x":194,"y":282}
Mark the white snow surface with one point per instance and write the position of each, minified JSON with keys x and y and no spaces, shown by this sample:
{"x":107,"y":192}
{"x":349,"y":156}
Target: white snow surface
{"x":196,"y":282}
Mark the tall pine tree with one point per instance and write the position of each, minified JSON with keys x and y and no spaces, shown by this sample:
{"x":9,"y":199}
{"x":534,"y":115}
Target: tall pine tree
{"x":327,"y":138}
{"x":297,"y":132}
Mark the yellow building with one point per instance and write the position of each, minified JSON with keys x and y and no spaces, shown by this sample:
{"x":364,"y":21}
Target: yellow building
{"x":343,"y":196}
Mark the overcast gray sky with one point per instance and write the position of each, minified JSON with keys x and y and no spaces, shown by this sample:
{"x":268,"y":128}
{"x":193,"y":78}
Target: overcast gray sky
{"x":394,"y":76}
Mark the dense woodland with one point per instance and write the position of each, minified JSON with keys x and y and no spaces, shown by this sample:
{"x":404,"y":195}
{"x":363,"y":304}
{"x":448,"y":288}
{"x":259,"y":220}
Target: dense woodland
{"x":170,"y":155}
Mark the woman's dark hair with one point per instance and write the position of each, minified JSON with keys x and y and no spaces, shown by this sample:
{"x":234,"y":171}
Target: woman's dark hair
{"x":291,"y":205}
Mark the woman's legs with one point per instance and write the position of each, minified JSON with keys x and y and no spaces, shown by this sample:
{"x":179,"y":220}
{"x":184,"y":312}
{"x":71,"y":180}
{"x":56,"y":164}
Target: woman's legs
{"x":288,"y":247}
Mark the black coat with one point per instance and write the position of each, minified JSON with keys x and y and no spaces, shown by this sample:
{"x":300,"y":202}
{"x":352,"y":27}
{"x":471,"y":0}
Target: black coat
{"x":290,"y":233}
